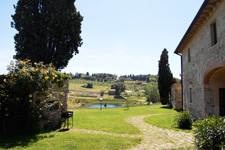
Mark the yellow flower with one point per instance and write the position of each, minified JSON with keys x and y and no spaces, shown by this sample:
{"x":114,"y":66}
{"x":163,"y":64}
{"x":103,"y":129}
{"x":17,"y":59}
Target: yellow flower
{"x":46,"y":77}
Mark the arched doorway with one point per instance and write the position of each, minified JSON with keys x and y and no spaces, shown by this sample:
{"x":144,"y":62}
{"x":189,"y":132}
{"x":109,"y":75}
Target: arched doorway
{"x":215,"y":91}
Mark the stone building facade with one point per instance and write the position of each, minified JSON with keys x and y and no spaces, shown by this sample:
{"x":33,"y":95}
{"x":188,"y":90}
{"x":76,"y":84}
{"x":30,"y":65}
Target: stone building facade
{"x":176,"y":96}
{"x":202,"y":52}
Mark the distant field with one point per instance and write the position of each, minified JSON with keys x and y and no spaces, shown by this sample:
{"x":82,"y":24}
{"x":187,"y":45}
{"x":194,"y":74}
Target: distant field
{"x":81,"y":95}
{"x":76,"y":85}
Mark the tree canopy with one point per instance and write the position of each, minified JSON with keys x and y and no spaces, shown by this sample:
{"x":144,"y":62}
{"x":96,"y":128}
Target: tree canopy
{"x":119,"y":88}
{"x":48,"y":31}
{"x":165,"y":78}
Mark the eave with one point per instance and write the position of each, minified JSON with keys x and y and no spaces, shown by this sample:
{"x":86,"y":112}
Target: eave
{"x":203,"y":14}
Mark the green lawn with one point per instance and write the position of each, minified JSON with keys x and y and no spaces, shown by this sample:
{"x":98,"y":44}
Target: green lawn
{"x":109,"y":120}
{"x":114,"y":120}
{"x":76,"y":141}
{"x":167,"y":121}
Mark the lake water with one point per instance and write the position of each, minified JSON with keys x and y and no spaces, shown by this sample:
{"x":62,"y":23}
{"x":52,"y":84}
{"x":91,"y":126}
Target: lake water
{"x":103,"y":106}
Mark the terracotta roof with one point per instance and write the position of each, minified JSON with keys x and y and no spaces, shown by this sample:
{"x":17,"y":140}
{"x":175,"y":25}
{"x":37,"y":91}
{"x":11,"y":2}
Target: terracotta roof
{"x":204,"y":12}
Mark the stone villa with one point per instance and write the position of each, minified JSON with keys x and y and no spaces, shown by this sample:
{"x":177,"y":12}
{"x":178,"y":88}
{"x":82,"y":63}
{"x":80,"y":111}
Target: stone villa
{"x":202,"y":51}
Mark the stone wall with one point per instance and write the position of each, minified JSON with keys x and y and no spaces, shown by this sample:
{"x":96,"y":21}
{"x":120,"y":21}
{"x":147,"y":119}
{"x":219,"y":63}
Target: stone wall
{"x":204,"y":58}
{"x":176,"y":96}
{"x":57,"y":103}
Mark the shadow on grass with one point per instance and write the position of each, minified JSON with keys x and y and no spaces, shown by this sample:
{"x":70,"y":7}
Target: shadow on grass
{"x":166,"y":107}
{"x":64,"y":130}
{"x":21,"y":140}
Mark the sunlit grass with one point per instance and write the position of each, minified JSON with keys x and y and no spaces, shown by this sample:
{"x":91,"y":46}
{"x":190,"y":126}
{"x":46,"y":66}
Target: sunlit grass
{"x":76,"y":141}
{"x":109,"y":120}
{"x":167,"y":121}
{"x":97,"y":86}
{"x":114,"y":120}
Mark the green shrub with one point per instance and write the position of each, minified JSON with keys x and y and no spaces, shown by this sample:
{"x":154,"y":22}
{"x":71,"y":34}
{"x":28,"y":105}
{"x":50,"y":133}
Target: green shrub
{"x":152,"y":93}
{"x":24,"y":94}
{"x":210,"y":133}
{"x":102,"y":93}
{"x":184,"y":121}
{"x":89,"y":85}
{"x":119,"y":88}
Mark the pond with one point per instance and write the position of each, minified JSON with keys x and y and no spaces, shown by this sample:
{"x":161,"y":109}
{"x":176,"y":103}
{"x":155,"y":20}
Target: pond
{"x":104,"y":105}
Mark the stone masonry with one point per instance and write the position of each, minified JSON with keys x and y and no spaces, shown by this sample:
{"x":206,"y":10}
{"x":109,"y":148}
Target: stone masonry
{"x":201,"y":63}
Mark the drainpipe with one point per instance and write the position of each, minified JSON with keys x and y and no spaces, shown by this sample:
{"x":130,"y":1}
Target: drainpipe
{"x":182,"y":87}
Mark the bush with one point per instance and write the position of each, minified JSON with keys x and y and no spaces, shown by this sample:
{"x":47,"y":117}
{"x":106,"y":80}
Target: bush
{"x":119,"y":88}
{"x":89,"y":85}
{"x":210,"y":133}
{"x":102,"y":93}
{"x":24,"y":95}
{"x":184,"y":121}
{"x":152,"y":93}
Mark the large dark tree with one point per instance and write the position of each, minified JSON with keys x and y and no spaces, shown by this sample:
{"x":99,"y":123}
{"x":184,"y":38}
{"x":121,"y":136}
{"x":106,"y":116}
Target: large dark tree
{"x":165,"y":78}
{"x":48,"y":31}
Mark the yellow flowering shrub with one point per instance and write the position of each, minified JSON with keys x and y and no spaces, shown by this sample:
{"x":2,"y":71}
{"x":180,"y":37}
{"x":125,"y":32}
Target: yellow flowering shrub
{"x":17,"y":90}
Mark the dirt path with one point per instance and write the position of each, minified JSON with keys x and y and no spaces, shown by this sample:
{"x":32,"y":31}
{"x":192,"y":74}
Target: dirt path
{"x":155,"y":138}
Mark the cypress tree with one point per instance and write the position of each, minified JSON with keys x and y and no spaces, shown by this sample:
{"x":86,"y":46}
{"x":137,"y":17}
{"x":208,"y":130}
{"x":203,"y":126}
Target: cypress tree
{"x":165,"y":78}
{"x":48,"y":31}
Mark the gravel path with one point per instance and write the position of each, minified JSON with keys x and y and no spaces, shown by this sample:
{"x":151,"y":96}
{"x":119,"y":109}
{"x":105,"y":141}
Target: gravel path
{"x":155,"y":138}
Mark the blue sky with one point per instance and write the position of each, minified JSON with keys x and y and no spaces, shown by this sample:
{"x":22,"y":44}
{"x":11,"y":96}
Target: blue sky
{"x":119,"y":36}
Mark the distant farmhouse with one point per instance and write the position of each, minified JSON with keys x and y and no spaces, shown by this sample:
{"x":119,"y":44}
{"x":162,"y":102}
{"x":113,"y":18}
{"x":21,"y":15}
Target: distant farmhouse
{"x":202,"y":51}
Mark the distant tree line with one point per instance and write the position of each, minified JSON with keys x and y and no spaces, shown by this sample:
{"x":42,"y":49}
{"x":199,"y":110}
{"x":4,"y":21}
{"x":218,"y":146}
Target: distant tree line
{"x":100,"y":77}
{"x":146,"y":78}
{"x":106,"y":77}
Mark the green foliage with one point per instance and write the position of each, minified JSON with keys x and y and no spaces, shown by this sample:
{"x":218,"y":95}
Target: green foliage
{"x":102,"y":93}
{"x":132,"y":77}
{"x":152,"y":93}
{"x":165,"y":78}
{"x":22,"y":94}
{"x":184,"y":121}
{"x":210,"y":133}
{"x":119,"y":88}
{"x":48,"y":31}
{"x":100,"y":77}
{"x":153,"y":78}
{"x":89,"y":85}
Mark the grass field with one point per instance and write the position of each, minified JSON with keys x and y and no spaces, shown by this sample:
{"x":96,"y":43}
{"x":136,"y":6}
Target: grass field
{"x":76,"y":85}
{"x":165,"y":121}
{"x":114,"y":120}
{"x":109,"y":120}
{"x":82,"y":96}
{"x":74,"y":141}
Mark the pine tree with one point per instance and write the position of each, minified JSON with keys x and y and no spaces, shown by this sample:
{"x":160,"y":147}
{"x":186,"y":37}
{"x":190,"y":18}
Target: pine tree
{"x":48,"y":31}
{"x":165,"y":78}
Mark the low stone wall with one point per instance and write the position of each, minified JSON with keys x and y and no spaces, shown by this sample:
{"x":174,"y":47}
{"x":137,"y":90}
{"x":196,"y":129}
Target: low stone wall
{"x":57,"y":104}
